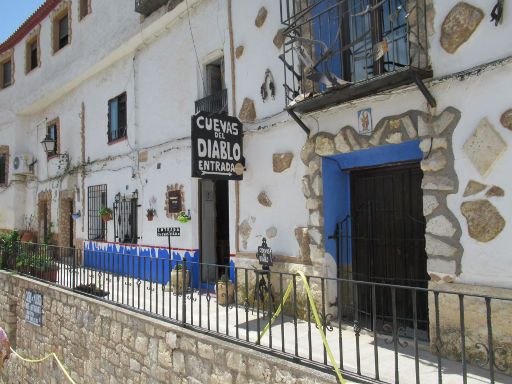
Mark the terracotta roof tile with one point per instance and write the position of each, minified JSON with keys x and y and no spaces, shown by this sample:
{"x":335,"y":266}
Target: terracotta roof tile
{"x":29,"y":24}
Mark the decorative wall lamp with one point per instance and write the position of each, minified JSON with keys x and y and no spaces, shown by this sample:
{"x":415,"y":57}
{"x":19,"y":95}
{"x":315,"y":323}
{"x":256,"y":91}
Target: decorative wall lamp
{"x":50,"y":148}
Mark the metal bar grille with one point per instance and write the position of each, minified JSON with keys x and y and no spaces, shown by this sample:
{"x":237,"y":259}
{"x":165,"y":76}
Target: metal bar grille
{"x":96,"y":199}
{"x":3,"y":178}
{"x":330,"y":43}
{"x":215,"y":103}
{"x":126,"y":219}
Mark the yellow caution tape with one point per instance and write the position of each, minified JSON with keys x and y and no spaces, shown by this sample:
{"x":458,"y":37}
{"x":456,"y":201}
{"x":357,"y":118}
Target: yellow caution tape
{"x":46,"y":358}
{"x":316,"y":317}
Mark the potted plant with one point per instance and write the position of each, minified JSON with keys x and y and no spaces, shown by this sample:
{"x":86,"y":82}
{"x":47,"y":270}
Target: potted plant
{"x":176,"y":281}
{"x":183,"y":217}
{"x":225,"y":290}
{"x":8,"y":249}
{"x":150,"y":213}
{"x":24,"y":263}
{"x":92,"y":289}
{"x":28,"y":234}
{"x":45,"y":267}
{"x":105,"y":213}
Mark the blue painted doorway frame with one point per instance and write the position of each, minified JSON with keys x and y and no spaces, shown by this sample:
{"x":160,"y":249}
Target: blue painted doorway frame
{"x":336,"y":181}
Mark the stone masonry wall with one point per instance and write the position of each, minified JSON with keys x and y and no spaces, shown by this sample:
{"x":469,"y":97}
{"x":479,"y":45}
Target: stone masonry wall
{"x":101,"y":343}
{"x":443,"y":247}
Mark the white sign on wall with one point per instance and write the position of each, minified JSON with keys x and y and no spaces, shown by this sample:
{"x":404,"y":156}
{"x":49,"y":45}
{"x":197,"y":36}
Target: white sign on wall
{"x":34,"y":308}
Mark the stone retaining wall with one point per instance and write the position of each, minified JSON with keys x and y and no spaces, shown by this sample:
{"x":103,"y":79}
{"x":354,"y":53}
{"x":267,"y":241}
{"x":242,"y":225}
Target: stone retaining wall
{"x":102,"y":343}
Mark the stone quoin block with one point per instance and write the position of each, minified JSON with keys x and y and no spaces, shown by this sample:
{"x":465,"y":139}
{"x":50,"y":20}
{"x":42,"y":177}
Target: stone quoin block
{"x":484,"y":147}
{"x":459,"y":25}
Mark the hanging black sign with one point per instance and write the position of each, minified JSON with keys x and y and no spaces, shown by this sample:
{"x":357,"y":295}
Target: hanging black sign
{"x":264,"y":254}
{"x":217,"y":147}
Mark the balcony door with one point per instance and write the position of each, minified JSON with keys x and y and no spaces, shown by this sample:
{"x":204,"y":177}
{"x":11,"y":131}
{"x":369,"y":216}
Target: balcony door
{"x":367,"y":37}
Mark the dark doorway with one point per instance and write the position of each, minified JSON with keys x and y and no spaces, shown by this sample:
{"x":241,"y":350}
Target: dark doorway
{"x":71,"y":242}
{"x":214,"y":197}
{"x":388,"y":247}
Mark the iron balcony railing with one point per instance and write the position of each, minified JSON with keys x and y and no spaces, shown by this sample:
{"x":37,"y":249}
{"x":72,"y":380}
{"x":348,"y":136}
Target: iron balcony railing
{"x":331,"y":44}
{"x":146,"y":7}
{"x":215,"y":103}
{"x":465,"y":339}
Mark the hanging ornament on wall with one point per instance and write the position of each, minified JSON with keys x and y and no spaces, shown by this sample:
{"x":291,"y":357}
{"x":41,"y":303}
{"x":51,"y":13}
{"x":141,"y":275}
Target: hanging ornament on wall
{"x":5,"y":348}
{"x":380,"y":49}
{"x":268,"y":85}
{"x":497,"y":13}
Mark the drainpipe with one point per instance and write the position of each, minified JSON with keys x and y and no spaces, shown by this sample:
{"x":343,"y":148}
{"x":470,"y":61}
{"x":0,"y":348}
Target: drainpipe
{"x":233,"y":112}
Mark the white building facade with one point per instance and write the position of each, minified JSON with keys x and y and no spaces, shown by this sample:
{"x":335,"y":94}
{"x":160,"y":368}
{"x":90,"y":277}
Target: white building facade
{"x":407,"y":101}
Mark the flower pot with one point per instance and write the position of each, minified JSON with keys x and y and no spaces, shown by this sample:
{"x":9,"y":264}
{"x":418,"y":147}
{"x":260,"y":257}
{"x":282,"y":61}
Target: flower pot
{"x":24,"y":270}
{"x":50,"y":275}
{"x":28,"y":237}
{"x":150,"y":217}
{"x":225,"y":295}
{"x":92,"y":289}
{"x":106,"y":217}
{"x":176,"y":282}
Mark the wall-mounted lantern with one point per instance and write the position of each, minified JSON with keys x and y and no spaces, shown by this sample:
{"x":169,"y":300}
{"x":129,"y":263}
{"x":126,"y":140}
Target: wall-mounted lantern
{"x":50,"y":147}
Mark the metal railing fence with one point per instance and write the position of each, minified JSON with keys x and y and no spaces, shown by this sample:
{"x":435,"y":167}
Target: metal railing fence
{"x":215,"y":103}
{"x":467,"y":336}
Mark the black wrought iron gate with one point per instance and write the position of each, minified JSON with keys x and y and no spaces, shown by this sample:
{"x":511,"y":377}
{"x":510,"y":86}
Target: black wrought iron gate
{"x":382,"y":241}
{"x":126,"y":218}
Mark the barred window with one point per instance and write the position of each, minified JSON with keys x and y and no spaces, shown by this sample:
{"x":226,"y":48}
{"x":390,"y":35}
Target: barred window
{"x":63,"y":32}
{"x":3,"y":170}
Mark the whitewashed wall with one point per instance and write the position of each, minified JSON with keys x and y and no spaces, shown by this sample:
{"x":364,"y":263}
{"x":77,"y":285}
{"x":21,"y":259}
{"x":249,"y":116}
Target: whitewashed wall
{"x":288,"y":210}
{"x":486,"y":44}
{"x":160,"y":75}
{"x":260,"y":54}
{"x":158,"y":70}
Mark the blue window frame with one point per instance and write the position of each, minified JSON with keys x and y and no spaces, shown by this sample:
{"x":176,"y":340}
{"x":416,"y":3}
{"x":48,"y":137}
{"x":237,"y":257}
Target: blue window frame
{"x":117,"y":118}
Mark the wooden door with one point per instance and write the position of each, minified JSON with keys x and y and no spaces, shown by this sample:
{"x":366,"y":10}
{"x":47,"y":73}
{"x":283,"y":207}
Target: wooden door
{"x":388,"y":244}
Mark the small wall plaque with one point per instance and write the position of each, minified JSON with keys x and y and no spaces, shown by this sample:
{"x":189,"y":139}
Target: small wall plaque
{"x":174,"y":202}
{"x":34,"y":308}
{"x":364,"y":121}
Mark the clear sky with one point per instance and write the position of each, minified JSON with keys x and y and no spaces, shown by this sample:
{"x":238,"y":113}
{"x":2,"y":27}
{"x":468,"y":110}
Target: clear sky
{"x":13,"y":13}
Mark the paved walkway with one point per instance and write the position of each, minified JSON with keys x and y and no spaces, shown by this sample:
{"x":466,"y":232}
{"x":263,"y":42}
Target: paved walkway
{"x":235,"y":321}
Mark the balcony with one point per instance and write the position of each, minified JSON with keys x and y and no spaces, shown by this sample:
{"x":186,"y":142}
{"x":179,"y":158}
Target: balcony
{"x":340,"y":50}
{"x":215,"y":103}
{"x":147,"y":7}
